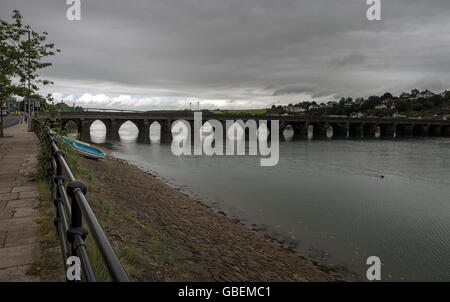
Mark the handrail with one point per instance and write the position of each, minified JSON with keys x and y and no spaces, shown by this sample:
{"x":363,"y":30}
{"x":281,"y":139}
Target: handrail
{"x":70,"y":214}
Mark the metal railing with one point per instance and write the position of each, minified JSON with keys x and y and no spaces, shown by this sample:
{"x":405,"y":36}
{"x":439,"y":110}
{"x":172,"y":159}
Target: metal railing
{"x":71,"y":208}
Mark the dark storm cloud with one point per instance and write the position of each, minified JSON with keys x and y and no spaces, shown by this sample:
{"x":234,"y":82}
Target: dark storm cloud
{"x":247,"y":52}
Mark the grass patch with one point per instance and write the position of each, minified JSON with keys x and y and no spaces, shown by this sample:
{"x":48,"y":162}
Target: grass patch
{"x":139,"y":247}
{"x":96,"y":259}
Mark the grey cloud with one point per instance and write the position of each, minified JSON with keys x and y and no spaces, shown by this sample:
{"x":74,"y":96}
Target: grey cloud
{"x":354,"y":58}
{"x":251,"y":50}
{"x":295,"y":89}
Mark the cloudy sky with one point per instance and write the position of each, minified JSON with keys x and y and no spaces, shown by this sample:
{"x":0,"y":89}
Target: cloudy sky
{"x":151,"y":54}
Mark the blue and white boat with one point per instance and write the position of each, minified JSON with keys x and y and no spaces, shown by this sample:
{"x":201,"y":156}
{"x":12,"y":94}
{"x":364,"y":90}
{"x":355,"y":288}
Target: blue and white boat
{"x":84,"y":149}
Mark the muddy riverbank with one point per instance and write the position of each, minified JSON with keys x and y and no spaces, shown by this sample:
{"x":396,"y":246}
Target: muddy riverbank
{"x":162,"y":234}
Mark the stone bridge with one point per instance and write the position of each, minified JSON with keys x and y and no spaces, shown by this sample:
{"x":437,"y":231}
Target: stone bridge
{"x":341,"y":126}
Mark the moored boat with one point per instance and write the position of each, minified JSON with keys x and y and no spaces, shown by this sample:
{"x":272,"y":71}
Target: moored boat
{"x":85,"y":149}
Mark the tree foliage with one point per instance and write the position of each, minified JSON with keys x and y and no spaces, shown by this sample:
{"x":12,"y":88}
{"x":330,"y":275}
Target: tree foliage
{"x":22,"y":55}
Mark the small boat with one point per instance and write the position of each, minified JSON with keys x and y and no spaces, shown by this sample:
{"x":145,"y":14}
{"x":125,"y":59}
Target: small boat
{"x":57,"y":135}
{"x":85,"y":149}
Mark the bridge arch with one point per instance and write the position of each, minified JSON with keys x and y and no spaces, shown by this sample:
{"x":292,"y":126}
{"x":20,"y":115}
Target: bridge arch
{"x":377,"y":131}
{"x":329,"y":131}
{"x":186,"y":126}
{"x":263,"y":131}
{"x":97,"y":131}
{"x":294,"y":129}
{"x":206,"y":129}
{"x":98,"y":125}
{"x":155,"y":128}
{"x":420,"y":129}
{"x":128,"y":130}
{"x":242,"y":130}
{"x":340,"y":130}
{"x":154,"y":132}
{"x":71,"y":125}
{"x":288,"y":132}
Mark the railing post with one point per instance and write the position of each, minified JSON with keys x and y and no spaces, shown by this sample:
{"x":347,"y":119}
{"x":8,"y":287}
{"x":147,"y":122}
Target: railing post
{"x":76,"y":227}
{"x":58,"y":180}
{"x":76,"y":234}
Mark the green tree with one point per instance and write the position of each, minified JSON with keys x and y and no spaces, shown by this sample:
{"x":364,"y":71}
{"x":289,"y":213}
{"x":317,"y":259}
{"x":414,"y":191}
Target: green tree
{"x":22,"y":54}
{"x":386,"y":96}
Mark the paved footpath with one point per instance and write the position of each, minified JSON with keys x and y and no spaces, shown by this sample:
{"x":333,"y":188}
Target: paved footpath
{"x":19,"y":248}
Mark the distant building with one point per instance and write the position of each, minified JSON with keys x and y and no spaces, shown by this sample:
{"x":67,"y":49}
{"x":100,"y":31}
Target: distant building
{"x":427,"y":94}
{"x":11,"y":105}
{"x":380,"y":107}
{"x":332,"y":103}
{"x":416,"y":94}
{"x":348,"y":103}
{"x":291,"y":108}
{"x":296,"y":109}
{"x":31,"y":103}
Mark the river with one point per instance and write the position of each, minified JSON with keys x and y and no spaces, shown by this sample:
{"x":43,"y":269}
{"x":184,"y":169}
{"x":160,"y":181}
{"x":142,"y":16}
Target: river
{"x":336,"y":201}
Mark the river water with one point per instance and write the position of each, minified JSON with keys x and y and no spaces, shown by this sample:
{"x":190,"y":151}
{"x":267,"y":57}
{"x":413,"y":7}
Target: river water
{"x":325,"y":198}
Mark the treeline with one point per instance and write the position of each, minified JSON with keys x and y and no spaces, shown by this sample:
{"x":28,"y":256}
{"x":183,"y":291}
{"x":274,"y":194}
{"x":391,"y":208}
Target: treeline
{"x":412,"y":105}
